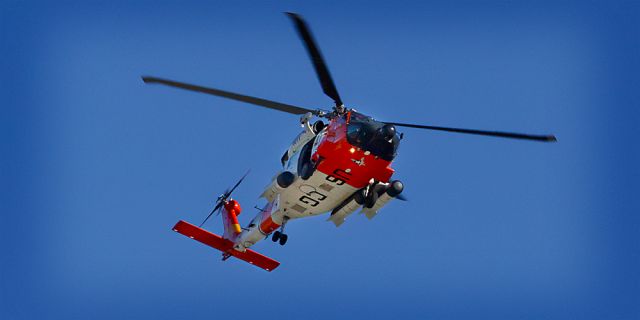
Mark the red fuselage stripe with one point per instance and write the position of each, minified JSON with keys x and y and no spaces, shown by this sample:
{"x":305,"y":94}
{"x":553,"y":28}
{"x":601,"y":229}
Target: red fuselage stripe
{"x":268,"y":225}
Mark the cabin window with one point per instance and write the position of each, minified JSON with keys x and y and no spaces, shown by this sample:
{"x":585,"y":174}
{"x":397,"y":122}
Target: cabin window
{"x":363,"y":132}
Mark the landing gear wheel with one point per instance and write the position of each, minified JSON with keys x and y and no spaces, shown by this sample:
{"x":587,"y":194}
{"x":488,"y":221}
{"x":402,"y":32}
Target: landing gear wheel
{"x":277,"y":236}
{"x":283,"y":239}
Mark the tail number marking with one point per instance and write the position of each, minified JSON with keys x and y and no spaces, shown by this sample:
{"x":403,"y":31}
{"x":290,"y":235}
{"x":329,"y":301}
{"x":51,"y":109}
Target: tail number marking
{"x":311,"y":197}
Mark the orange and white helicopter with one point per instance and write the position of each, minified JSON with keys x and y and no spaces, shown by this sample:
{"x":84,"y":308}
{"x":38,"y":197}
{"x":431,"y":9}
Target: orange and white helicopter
{"x":339,"y":167}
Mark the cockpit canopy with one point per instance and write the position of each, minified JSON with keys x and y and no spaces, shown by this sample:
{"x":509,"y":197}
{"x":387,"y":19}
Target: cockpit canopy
{"x":370,"y":135}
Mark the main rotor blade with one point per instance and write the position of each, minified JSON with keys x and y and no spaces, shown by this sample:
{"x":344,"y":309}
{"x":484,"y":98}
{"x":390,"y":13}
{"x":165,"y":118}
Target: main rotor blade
{"x":230,"y":95}
{"x":324,"y":76}
{"x":543,"y":138}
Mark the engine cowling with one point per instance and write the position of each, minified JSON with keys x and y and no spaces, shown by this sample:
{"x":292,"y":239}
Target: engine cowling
{"x":281,"y":182}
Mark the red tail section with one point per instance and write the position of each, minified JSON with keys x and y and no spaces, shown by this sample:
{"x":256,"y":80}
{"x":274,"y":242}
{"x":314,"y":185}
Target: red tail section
{"x":224,"y":245}
{"x":230,"y":220}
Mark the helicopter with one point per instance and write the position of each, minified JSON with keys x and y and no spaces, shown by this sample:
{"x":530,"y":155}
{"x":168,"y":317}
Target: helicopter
{"x":337,"y":167}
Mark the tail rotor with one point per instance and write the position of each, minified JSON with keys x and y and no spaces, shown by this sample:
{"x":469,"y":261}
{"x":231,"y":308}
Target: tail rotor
{"x":222,"y":199}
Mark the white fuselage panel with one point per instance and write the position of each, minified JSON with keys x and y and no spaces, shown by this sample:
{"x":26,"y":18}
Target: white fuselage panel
{"x":313,"y":196}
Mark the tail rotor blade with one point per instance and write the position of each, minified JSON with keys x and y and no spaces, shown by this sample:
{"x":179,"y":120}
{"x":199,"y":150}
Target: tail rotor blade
{"x":223,"y":198}
{"x":218,"y":206}
{"x":228,"y":193}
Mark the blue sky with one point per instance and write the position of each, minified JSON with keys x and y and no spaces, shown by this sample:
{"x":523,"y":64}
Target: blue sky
{"x":97,"y":167}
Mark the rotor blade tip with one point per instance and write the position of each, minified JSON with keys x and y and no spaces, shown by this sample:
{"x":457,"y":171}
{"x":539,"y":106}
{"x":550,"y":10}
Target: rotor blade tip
{"x":147,"y":79}
{"x":552,"y":139}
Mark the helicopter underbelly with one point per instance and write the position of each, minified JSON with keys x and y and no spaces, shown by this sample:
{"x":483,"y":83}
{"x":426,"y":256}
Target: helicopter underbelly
{"x":316,"y":195}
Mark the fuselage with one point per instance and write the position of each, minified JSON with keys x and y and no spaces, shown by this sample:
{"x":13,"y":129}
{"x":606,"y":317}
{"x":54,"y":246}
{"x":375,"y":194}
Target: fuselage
{"x":326,"y":169}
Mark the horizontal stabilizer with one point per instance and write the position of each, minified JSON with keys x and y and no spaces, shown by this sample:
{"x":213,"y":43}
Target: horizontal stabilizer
{"x":224,"y":245}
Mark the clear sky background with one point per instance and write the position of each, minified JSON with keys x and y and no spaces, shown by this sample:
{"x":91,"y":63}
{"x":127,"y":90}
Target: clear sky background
{"x":97,"y":167}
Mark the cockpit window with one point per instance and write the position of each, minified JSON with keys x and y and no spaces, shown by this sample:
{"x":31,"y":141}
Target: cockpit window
{"x":368,"y":134}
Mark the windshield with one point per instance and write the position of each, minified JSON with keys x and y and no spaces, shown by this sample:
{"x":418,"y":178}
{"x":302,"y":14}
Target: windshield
{"x":365,"y":133}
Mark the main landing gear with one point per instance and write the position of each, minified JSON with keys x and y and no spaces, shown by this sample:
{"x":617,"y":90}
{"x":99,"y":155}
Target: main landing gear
{"x":280,"y":236}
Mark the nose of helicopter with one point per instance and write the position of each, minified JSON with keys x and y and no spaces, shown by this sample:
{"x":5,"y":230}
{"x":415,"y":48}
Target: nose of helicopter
{"x":388,"y":131}
{"x":385,"y":142}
